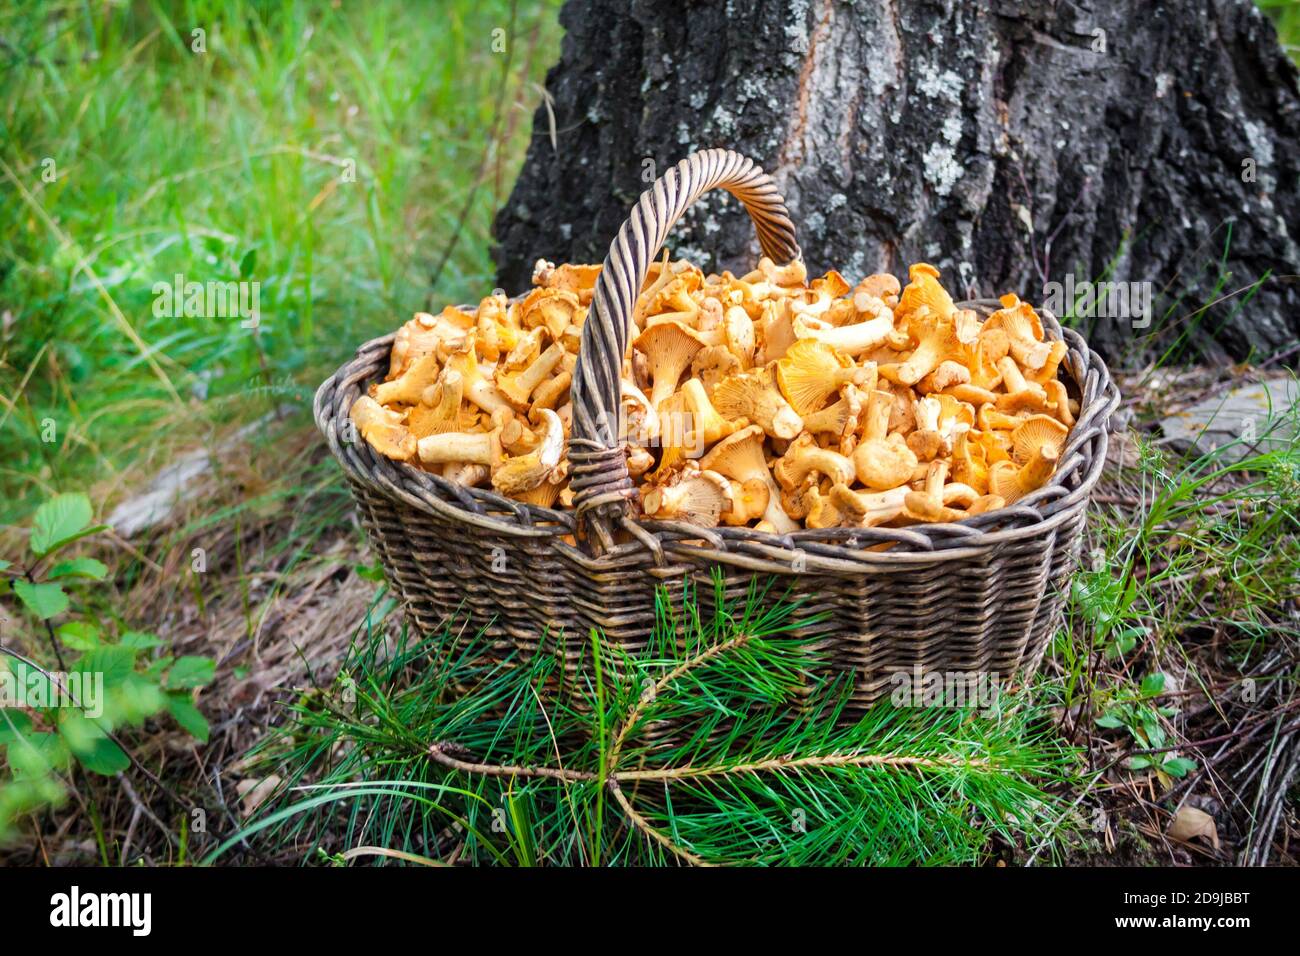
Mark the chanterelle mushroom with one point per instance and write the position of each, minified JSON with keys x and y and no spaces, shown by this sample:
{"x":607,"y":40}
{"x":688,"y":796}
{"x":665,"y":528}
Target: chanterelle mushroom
{"x":1024,"y":331}
{"x":578,"y":279}
{"x":713,"y":363}
{"x":791,"y":274}
{"x":927,"y":442}
{"x":441,"y":413}
{"x":425,"y":334}
{"x":1012,"y":483}
{"x":839,"y":419}
{"x":810,"y":372}
{"x":931,"y":504}
{"x":820,"y":510}
{"x":981,"y":359}
{"x":1058,"y":399}
{"x":698,"y":498}
{"x":641,"y":419}
{"x":968,"y":464}
{"x":1021,"y":395}
{"x":518,"y":387}
{"x":1035,"y":432}
{"x":850,"y":339}
{"x":495,"y":328}
{"x":1056,"y":352}
{"x":526,"y":472}
{"x":739,"y":329}
{"x":740,"y":456}
{"x":748,"y":501}
{"x":937,"y":342}
{"x":754,"y":395}
{"x":551,"y":309}
{"x":881,"y":286}
{"x":551,"y":392}
{"x":477,"y":388}
{"x":383,"y":429}
{"x":478,"y":448}
{"x":771,"y":377}
{"x":923,"y":291}
{"x":947,"y":375}
{"x":669,"y":348}
{"x":707,"y":423}
{"x":867,"y":511}
{"x":805,"y":457}
{"x":409,"y":387}
{"x":882,"y":460}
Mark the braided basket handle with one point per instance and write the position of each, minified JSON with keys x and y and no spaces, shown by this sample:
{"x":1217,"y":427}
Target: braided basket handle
{"x":598,"y":465}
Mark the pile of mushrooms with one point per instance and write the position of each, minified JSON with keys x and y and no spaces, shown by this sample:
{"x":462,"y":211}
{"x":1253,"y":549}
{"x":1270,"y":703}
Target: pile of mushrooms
{"x":764,"y":400}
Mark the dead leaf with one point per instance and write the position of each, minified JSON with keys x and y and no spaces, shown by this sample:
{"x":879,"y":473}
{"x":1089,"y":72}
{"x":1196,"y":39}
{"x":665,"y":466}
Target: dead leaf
{"x":255,"y":792}
{"x":1190,"y":822}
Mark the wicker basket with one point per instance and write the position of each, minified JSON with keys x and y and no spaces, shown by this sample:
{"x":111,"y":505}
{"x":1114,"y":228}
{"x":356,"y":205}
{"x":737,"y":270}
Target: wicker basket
{"x":982,"y":595}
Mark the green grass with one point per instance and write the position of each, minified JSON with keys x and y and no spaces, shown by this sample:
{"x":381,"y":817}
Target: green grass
{"x":1285,"y":15}
{"x":166,"y":161}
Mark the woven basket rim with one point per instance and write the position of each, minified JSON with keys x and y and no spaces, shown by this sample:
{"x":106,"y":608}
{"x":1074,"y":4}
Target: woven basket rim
{"x":831,"y":550}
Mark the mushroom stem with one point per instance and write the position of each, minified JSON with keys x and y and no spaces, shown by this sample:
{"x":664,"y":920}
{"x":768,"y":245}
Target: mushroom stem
{"x":518,"y":388}
{"x":867,"y":511}
{"x":850,"y":339}
{"x":479,"y":448}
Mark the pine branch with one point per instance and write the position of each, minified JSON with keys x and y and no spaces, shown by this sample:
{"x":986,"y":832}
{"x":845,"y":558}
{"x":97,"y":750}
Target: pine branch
{"x":714,"y":757}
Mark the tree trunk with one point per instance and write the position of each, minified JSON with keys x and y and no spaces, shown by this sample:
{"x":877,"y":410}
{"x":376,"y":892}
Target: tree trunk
{"x":1012,"y":143}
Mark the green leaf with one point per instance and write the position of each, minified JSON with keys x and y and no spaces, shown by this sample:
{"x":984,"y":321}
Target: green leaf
{"x":1178,"y":766}
{"x":58,"y":521}
{"x":138,"y":698}
{"x":1123,"y":643}
{"x":91,"y":746}
{"x":139,"y":641}
{"x":190,"y":672}
{"x":13,"y":724}
{"x":187,"y":715}
{"x":43,"y":600}
{"x":1140,"y":762}
{"x":115,"y":663}
{"x":35,"y":754}
{"x":156,"y":668}
{"x":79,"y":635}
{"x":80,"y":568}
{"x":4,"y":565}
{"x":1109,"y":720}
{"x":248,"y":263}
{"x":1153,"y":684}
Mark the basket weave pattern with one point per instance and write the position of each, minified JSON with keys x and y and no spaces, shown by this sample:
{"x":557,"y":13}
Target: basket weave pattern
{"x":983,"y":595}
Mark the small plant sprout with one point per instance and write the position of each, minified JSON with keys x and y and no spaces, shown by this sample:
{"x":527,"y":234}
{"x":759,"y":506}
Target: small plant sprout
{"x":52,"y":721}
